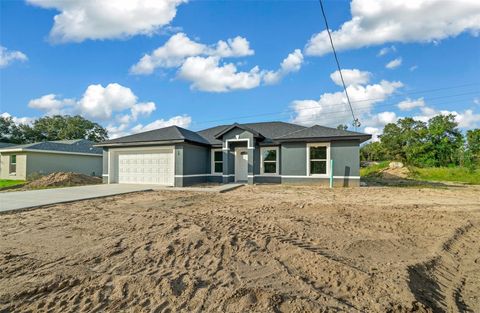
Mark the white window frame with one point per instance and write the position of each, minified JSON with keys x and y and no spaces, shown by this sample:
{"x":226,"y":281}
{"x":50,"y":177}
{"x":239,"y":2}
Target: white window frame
{"x":10,"y":164}
{"x":213,"y":161}
{"x":277,"y":168}
{"x":319,"y":144}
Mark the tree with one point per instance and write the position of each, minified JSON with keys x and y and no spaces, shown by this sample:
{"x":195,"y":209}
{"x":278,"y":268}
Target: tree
{"x":373,"y":151}
{"x":60,"y":127}
{"x":473,"y":146}
{"x":50,"y":128}
{"x":445,"y":138}
{"x":342,"y":127}
{"x":9,"y":131}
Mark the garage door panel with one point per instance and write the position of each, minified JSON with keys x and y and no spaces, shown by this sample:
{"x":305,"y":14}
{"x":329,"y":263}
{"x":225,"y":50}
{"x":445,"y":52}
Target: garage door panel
{"x":146,"y":168}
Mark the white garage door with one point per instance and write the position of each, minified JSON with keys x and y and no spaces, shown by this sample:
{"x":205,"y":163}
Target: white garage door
{"x":146,"y":168}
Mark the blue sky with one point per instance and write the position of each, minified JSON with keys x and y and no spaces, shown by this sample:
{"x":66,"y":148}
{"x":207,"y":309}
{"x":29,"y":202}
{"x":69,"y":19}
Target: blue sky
{"x":64,"y":66}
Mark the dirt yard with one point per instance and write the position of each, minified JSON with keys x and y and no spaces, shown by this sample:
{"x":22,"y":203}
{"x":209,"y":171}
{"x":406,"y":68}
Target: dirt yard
{"x":255,"y":249}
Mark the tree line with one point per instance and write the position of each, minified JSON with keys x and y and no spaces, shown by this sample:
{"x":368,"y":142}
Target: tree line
{"x":48,"y":128}
{"x":438,"y":142}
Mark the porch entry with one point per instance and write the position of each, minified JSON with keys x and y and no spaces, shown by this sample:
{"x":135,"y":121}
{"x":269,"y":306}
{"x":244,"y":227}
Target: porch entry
{"x":241,"y":164}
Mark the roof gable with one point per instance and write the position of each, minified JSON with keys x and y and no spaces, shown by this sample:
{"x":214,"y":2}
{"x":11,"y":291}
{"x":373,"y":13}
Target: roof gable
{"x":243,"y":127}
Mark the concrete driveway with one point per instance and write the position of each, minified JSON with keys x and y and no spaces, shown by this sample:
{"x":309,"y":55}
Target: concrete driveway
{"x":17,"y":200}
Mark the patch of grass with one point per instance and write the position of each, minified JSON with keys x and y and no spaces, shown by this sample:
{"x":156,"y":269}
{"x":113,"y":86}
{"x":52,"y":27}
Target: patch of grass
{"x":373,"y":170}
{"x":451,"y":174}
{"x":10,"y":182}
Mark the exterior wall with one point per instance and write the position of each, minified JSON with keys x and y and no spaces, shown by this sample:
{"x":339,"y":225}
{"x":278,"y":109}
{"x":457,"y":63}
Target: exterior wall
{"x":191,"y":160}
{"x":21,"y":172}
{"x":45,"y":163}
{"x":293,"y":159}
{"x":346,"y":158}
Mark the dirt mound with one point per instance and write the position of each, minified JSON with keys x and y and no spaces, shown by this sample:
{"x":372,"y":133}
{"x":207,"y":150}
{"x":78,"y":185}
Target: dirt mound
{"x":395,"y":173}
{"x":64,"y":179}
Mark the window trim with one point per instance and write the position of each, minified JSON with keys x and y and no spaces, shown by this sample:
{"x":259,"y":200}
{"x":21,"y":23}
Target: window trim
{"x":319,"y":144}
{"x":277,"y":167}
{"x":10,"y":172}
{"x":212,"y":163}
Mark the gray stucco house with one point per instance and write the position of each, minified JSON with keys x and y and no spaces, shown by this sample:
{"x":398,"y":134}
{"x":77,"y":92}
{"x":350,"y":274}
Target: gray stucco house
{"x":18,"y":162}
{"x":270,"y":152}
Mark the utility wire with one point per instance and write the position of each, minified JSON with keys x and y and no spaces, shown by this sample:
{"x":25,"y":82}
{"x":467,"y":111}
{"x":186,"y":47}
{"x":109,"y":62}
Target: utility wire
{"x":357,"y":101}
{"x":356,"y":122}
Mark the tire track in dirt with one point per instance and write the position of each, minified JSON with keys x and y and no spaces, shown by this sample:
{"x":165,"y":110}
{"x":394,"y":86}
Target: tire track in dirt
{"x":442,"y":282}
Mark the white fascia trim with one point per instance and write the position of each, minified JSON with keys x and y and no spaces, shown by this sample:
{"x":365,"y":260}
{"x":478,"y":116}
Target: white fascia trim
{"x":249,"y":145}
{"x":105,"y":175}
{"x":50,"y":151}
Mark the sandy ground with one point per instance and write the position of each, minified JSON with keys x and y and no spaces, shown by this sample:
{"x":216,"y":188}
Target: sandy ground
{"x":255,"y":249}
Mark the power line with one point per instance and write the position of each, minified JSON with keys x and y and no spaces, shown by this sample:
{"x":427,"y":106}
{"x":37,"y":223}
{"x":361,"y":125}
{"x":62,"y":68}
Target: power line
{"x":357,"y":101}
{"x":356,"y":122}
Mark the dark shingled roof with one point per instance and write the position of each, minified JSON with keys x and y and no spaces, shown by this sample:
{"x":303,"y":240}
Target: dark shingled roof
{"x":77,"y":145}
{"x":269,"y":132}
{"x":5,"y":144}
{"x":170,"y":133}
{"x":317,"y":131}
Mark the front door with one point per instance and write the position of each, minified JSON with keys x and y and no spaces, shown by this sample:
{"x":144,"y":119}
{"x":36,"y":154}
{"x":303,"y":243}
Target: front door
{"x":241,"y":164}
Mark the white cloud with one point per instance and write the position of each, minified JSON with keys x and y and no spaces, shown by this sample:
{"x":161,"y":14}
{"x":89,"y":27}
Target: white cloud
{"x":180,"y":120}
{"x":18,"y":120}
{"x":8,"y":56}
{"x":375,"y":22}
{"x":332,"y":108}
{"x":386,"y":50}
{"x":79,"y":20}
{"x":413,"y":68}
{"x":207,"y":74}
{"x":465,"y":119}
{"x":292,"y":63}
{"x":113,"y":104}
{"x":374,"y":131}
{"x":394,"y":63}
{"x":179,"y":47}
{"x":409,"y":104}
{"x":351,"y":77}
{"x":51,"y":104}
{"x":236,"y":47}
{"x":476,"y":101}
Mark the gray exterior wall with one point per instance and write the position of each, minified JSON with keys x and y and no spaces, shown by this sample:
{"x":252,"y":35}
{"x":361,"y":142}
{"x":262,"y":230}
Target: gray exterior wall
{"x":191,"y":160}
{"x":346,"y":158}
{"x":293,"y":157}
{"x":45,"y":163}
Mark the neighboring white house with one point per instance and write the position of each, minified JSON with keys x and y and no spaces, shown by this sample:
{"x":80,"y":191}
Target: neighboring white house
{"x":20,"y":161}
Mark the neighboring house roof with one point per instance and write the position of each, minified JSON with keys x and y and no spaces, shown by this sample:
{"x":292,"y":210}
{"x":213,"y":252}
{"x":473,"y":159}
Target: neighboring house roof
{"x":269,"y":132}
{"x":167,"y":134}
{"x":77,"y":146}
{"x":5,"y":144}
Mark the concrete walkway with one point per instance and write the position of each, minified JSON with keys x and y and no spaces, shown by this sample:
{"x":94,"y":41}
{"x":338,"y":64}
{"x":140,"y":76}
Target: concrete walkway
{"x":17,"y":200}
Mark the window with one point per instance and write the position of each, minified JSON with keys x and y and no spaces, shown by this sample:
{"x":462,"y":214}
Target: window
{"x":13,"y":164}
{"x":217,"y":161}
{"x":318,"y":159}
{"x":269,"y":161}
